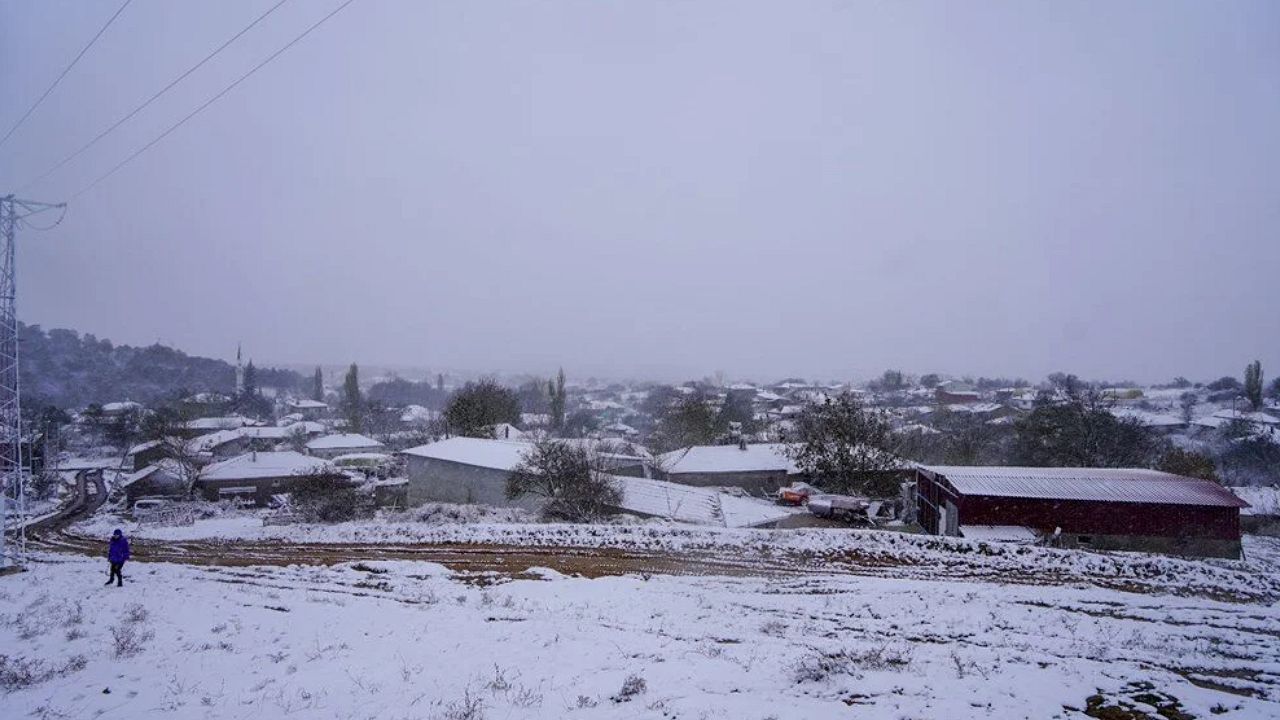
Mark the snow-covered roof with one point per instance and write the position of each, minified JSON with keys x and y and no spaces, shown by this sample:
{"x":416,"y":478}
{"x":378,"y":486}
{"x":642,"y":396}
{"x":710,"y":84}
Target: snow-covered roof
{"x":265,"y":465}
{"x":760,"y":457}
{"x":361,"y":459}
{"x":273,"y":432}
{"x":308,"y":404}
{"x":144,"y":446}
{"x":208,"y":442}
{"x":1148,"y":418}
{"x":342,"y":440}
{"x":1263,"y":500}
{"x":479,"y":452}
{"x":1252,"y":417}
{"x":1133,"y":485}
{"x":703,"y":506}
{"x":216,"y":423}
{"x":170,"y":466}
{"x":417,"y":413}
{"x":116,"y":407}
{"x":507,"y":431}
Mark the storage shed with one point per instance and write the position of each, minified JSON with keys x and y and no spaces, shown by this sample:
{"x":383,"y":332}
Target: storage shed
{"x":1100,"y":508}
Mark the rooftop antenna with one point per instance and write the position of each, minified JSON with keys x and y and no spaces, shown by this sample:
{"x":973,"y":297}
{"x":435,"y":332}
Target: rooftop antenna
{"x":14,"y":466}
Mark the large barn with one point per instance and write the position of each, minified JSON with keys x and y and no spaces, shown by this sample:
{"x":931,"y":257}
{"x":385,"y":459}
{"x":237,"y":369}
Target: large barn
{"x":1100,"y":508}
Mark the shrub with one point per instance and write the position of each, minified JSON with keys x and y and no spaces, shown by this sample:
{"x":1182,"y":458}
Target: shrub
{"x":130,"y":639}
{"x":634,"y":685}
{"x":328,"y":498}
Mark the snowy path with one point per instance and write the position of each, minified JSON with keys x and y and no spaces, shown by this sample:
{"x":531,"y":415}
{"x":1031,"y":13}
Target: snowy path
{"x":418,"y":640}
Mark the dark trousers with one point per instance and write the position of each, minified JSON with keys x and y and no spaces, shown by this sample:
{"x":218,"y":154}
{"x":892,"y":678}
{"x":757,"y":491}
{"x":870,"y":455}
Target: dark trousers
{"x":115,"y":574}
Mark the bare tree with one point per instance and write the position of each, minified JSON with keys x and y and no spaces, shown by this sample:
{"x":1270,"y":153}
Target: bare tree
{"x":570,"y":477}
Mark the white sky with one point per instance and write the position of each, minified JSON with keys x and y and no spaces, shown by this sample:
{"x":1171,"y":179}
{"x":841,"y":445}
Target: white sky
{"x":667,"y":188}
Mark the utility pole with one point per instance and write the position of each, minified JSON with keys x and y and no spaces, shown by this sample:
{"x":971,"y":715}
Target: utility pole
{"x":13,"y":462}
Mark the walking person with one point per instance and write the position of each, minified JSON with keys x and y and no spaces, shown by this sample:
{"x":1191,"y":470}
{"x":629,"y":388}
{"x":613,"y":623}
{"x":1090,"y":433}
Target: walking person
{"x":117,"y":553}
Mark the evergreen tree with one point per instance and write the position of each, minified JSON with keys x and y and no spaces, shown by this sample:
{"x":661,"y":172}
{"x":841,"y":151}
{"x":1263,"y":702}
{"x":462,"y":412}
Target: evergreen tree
{"x":317,"y":386}
{"x":352,"y":404}
{"x":477,"y":406}
{"x":558,"y":402}
{"x":1253,"y":384}
{"x":250,"y":380}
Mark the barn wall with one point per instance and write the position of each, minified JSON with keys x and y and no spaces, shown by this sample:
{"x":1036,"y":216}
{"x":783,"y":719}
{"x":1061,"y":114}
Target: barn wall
{"x":1101,"y":518}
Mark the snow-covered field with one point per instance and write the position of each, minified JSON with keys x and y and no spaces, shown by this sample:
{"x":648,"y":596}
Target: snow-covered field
{"x":392,"y":640}
{"x":1257,"y":577}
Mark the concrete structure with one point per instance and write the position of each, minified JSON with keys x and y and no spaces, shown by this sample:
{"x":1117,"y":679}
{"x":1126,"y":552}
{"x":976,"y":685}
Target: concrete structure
{"x":1098,"y":508}
{"x":465,"y":470}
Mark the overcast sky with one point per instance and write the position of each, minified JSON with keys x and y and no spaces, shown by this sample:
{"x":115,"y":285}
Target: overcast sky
{"x":666,"y":189}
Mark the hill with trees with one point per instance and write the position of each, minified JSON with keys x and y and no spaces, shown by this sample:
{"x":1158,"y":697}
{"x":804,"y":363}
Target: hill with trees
{"x":66,"y":369}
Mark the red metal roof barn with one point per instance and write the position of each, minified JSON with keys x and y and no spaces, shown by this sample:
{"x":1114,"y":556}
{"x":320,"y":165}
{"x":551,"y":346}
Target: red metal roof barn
{"x":1101,"y":508}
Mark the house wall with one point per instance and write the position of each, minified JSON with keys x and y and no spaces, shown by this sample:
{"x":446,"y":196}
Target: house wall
{"x":763,"y":481}
{"x":264,"y":487}
{"x":331,"y":453}
{"x":432,"y":480}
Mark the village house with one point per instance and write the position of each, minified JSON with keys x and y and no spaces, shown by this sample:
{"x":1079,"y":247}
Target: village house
{"x":259,"y":475}
{"x":476,"y":470}
{"x":760,"y":467}
{"x":163,"y":478}
{"x":1098,"y":508}
{"x":144,"y":454}
{"x":331,"y":446}
{"x":218,"y":445}
{"x":308,"y":409}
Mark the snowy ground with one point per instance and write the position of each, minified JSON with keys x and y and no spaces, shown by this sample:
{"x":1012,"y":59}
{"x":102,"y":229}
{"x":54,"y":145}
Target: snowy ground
{"x":1256,"y":578}
{"x":393,"y":640}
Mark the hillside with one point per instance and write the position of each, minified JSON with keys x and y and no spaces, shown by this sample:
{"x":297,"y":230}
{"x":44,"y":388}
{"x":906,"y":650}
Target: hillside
{"x":64,"y":368}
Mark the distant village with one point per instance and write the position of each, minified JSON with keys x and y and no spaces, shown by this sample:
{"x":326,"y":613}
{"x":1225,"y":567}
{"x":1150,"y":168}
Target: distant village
{"x":1180,"y":468}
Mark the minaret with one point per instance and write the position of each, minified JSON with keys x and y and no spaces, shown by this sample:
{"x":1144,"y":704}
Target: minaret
{"x":239,"y":372}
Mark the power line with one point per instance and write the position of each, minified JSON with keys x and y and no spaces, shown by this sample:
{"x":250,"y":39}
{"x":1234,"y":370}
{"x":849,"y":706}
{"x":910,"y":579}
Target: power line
{"x":66,"y":70}
{"x":155,"y":97}
{"x":210,"y":101}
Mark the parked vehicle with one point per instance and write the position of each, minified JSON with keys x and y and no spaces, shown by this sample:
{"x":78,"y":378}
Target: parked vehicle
{"x":797,"y":493}
{"x":839,"y":507}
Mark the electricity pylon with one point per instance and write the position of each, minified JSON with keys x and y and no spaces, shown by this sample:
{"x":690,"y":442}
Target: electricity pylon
{"x":14,"y":466}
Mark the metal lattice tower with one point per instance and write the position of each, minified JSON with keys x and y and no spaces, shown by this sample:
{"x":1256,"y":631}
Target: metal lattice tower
{"x":13,"y":461}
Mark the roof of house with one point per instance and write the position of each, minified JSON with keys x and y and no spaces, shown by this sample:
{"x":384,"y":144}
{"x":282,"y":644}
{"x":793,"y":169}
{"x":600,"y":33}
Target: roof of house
{"x":342,"y":440}
{"x":251,"y":466}
{"x":760,"y":457}
{"x":1132,"y":485}
{"x":144,"y":446}
{"x":478,"y":452}
{"x":209,"y":441}
{"x":703,"y":506}
{"x":167,"y":465}
{"x":1253,"y":417}
{"x":309,"y":404}
{"x":215,"y":423}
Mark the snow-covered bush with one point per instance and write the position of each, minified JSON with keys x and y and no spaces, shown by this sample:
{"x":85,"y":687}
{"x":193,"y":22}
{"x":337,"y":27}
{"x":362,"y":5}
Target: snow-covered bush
{"x":634,"y":685}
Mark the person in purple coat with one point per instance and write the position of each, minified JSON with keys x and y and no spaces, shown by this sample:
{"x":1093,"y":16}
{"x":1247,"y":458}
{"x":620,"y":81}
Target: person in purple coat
{"x":117,"y":553}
